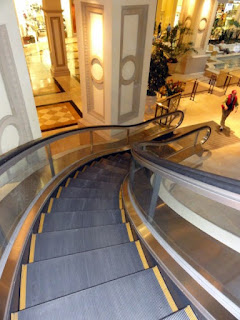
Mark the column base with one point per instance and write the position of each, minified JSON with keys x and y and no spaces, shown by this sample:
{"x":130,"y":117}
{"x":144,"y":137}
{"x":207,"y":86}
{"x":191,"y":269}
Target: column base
{"x":61,"y":71}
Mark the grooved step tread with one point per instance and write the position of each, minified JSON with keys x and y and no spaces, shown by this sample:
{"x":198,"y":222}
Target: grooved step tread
{"x":59,"y":243}
{"x":134,"y":297}
{"x":73,"y":204}
{"x":100,"y":177}
{"x":114,"y":163}
{"x":108,"y":167}
{"x":104,"y":171}
{"x":72,"y":192}
{"x":57,"y":221}
{"x":184,"y":314}
{"x":80,"y":271}
{"x":80,"y":182}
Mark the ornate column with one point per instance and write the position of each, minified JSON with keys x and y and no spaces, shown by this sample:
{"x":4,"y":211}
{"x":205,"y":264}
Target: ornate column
{"x":199,"y":16}
{"x":18,"y":116}
{"x":114,"y":38}
{"x":56,"y":37}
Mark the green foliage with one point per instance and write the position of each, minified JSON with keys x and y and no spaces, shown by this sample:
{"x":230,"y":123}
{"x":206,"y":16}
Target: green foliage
{"x":158,"y":72}
{"x":175,"y":44}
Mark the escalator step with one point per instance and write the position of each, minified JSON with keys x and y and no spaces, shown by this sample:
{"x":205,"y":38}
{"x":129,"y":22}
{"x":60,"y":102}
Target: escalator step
{"x":54,"y":278}
{"x":79,"y":219}
{"x":137,"y":296}
{"x":78,"y":183}
{"x":68,"y":204}
{"x":184,"y":314}
{"x":104,"y":171}
{"x":114,"y":163}
{"x":108,"y":167}
{"x":100,"y":177}
{"x":71,"y":192}
{"x":59,"y":243}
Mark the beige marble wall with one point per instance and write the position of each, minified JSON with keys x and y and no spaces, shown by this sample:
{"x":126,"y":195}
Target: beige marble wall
{"x":18,"y":116}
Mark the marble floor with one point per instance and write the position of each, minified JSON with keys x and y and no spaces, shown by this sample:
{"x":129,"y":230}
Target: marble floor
{"x":206,"y":107}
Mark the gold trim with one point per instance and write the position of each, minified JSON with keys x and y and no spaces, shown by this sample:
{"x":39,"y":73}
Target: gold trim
{"x":190,"y":313}
{"x":67,"y":183}
{"x":32,"y":248}
{"x":142,"y":255}
{"x":76,"y":174}
{"x":129,"y":231}
{"x":23,"y":287}
{"x":59,"y":192}
{"x":85,"y":167}
{"x":165,"y":289}
{"x":92,"y":164}
{"x":50,"y":205}
{"x":123,"y":216}
{"x":40,"y":228}
{"x":14,"y":316}
{"x":120,"y":200}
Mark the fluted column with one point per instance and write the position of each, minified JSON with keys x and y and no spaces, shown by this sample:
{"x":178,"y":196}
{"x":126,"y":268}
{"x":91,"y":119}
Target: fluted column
{"x":56,"y":37}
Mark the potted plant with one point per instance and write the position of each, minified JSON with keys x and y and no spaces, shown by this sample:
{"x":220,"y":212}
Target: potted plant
{"x":158,"y":73}
{"x":171,"y":88}
{"x":175,"y":43}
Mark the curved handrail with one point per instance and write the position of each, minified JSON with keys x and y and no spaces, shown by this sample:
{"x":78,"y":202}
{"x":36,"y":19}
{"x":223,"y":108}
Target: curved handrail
{"x":204,"y":139}
{"x":223,"y":189}
{"x":16,"y":154}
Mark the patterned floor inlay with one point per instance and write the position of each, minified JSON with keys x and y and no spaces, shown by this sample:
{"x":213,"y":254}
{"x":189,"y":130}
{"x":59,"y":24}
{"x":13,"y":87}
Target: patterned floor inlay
{"x":58,"y":115}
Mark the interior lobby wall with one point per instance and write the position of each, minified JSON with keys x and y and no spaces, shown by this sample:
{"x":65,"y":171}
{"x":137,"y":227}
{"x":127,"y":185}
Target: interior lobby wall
{"x":18,"y":116}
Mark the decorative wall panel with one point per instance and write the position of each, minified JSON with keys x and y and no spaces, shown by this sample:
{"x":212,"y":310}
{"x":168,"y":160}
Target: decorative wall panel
{"x":133,"y":34}
{"x":57,"y":40}
{"x":92,"y":17}
{"x":16,"y":121}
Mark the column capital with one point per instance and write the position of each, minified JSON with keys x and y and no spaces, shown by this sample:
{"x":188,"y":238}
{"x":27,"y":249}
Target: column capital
{"x":52,"y":11}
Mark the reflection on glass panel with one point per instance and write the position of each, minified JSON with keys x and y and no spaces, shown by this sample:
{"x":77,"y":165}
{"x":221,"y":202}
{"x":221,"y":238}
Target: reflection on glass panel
{"x":18,"y":187}
{"x":203,"y":232}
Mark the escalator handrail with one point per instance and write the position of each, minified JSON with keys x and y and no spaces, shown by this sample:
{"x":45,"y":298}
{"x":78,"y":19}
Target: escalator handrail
{"x":156,"y":143}
{"x":223,"y":187}
{"x":14,"y":155}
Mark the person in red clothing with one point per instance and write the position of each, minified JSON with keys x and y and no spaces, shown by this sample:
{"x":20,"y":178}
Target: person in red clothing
{"x":228,"y":106}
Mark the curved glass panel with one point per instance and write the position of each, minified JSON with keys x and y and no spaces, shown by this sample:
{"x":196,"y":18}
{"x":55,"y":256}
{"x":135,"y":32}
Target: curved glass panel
{"x":26,"y":171}
{"x":197,"y":224}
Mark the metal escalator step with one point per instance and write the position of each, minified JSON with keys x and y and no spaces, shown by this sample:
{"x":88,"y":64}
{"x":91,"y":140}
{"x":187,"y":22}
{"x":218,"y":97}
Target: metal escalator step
{"x":105,"y":171}
{"x":136,"y":296}
{"x":79,"y":219}
{"x":71,"y":192}
{"x":73,"y":204}
{"x":100,"y":177}
{"x":111,"y":167}
{"x":54,"y":278}
{"x":79,"y":182}
{"x":184,"y":314}
{"x":49,"y":245}
{"x":114,"y":163}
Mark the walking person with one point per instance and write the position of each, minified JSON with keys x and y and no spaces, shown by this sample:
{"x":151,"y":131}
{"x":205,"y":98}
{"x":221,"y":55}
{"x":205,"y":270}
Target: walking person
{"x":168,"y":30}
{"x":159,"y":29}
{"x":228,"y":106}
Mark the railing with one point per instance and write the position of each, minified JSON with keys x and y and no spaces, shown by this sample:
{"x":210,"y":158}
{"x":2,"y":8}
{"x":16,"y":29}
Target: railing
{"x":26,"y":171}
{"x":164,"y":106}
{"x":178,"y":201}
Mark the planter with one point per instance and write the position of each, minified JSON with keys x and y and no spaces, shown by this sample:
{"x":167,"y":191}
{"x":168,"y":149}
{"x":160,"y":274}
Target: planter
{"x":172,"y":67}
{"x":150,"y":101}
